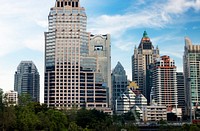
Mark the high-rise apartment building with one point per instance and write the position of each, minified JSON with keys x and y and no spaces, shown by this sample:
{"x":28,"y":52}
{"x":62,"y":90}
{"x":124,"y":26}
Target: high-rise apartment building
{"x":180,"y":90}
{"x":77,"y":64}
{"x":119,"y":82}
{"x":191,"y":62}
{"x":143,"y":56}
{"x":165,"y":82}
{"x":27,"y":80}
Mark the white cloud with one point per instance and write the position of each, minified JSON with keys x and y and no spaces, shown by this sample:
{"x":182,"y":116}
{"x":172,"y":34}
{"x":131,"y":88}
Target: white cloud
{"x":157,"y":15}
{"x":124,"y":46}
{"x":21,"y":23}
{"x":180,"y":6}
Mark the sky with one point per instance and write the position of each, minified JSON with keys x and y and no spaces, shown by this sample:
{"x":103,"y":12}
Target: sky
{"x":167,"y":22}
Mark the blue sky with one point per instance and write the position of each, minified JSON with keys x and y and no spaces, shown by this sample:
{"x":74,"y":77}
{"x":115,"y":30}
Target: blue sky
{"x":167,"y":22}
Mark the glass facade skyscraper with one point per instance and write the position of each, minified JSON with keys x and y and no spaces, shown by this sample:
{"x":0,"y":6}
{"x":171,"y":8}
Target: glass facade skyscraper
{"x":27,"y":80}
{"x":191,"y":63}
{"x":119,"y":82}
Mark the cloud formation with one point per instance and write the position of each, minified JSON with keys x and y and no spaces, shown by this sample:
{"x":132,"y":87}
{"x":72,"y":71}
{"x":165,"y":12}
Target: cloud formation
{"x":157,"y":15}
{"x":22,"y":22}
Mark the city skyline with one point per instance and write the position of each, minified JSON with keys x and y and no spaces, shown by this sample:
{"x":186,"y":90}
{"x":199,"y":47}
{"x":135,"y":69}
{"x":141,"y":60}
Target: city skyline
{"x":166,"y":22}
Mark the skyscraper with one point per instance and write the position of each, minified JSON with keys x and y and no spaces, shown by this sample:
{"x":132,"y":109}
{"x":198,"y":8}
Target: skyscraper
{"x":119,"y":82}
{"x":191,"y":60}
{"x":27,"y":80}
{"x":99,"y":47}
{"x":180,"y":90}
{"x":143,"y":56}
{"x":165,"y":82}
{"x":76,"y":62}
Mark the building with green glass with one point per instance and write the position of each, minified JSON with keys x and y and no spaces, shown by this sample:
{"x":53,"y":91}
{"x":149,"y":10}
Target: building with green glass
{"x":191,"y":61}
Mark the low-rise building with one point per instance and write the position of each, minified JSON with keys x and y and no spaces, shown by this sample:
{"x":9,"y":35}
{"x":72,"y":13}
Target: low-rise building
{"x":11,"y":97}
{"x":129,"y":99}
{"x":154,"y":113}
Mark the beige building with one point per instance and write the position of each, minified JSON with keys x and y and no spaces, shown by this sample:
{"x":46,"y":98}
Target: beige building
{"x":99,"y":48}
{"x":75,"y":69}
{"x":143,"y":56}
{"x":154,"y":113}
{"x":11,"y":97}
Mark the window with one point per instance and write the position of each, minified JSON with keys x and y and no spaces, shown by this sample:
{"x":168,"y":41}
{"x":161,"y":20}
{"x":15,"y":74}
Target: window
{"x":98,"y":48}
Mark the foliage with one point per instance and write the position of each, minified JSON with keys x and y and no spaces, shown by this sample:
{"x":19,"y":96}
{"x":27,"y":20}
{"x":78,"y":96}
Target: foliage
{"x":31,"y":116}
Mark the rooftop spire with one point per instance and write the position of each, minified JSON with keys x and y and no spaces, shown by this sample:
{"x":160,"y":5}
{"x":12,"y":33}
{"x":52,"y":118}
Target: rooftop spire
{"x":145,"y":34}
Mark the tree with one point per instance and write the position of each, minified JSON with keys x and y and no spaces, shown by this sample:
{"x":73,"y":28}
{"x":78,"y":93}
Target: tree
{"x":27,"y":120}
{"x":57,"y":120}
{"x":74,"y":127}
{"x":194,"y":128}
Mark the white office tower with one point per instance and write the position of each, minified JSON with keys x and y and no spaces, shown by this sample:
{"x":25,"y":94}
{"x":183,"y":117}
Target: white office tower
{"x":191,"y":61}
{"x":73,"y":75}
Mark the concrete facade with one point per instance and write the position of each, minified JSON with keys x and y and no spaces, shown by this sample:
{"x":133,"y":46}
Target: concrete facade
{"x":143,"y":56}
{"x":165,"y":83}
{"x":11,"y":97}
{"x":75,"y":70}
{"x":154,"y":113}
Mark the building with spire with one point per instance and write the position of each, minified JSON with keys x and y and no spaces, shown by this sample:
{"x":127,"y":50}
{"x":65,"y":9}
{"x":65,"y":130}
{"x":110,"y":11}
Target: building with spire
{"x":143,"y":56}
{"x":27,"y":80}
{"x":77,"y":64}
{"x":119,"y":82}
{"x":191,"y":60}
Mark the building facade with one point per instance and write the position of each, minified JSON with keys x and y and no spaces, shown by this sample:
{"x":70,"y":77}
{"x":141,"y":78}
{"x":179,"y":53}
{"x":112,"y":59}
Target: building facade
{"x":27,"y":80}
{"x":74,"y":74}
{"x":99,"y":47}
{"x":12,"y":97}
{"x":143,"y":56}
{"x":154,"y":113}
{"x":165,"y":82}
{"x":129,"y":100}
{"x":191,"y":60}
{"x":181,"y":90}
{"x":119,"y":82}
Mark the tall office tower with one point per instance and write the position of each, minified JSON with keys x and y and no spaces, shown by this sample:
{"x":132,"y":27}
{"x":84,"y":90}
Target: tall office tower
{"x":73,"y":75}
{"x":191,"y":60}
{"x":119,"y":82}
{"x":142,"y":57}
{"x":99,"y":47}
{"x":181,"y":91}
{"x":165,"y":82}
{"x":27,"y":80}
